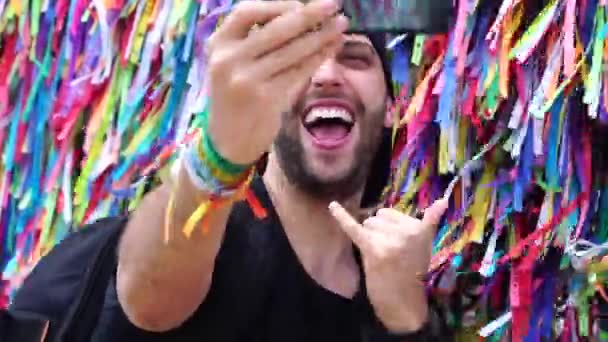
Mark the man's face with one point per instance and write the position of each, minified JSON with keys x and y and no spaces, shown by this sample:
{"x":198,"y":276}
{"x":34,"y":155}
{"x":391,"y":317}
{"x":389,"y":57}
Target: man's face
{"x":329,"y":137}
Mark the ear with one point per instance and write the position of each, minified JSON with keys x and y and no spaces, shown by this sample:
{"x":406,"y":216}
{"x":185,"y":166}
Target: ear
{"x":389,"y":120}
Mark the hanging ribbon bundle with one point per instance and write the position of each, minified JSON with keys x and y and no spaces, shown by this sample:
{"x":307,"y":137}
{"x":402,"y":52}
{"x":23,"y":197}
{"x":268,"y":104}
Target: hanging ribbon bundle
{"x":507,"y":115}
{"x":94,"y":97}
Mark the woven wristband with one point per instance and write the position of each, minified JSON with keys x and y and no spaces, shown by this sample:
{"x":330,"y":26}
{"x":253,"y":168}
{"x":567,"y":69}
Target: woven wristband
{"x":209,"y":176}
{"x":201,"y":175}
{"x":210,"y":172}
{"x":213,"y":157}
{"x":214,"y":168}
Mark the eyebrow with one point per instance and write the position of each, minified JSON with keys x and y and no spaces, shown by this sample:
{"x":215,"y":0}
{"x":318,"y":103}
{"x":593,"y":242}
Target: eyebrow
{"x":358,"y":44}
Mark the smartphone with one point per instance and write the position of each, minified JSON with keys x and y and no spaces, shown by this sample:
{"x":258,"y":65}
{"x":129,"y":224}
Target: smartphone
{"x":399,"y":16}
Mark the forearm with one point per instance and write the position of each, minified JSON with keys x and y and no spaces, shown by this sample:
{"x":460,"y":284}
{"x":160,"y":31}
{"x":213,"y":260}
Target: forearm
{"x":161,"y":283}
{"x":411,"y":315}
{"x":433,"y":328}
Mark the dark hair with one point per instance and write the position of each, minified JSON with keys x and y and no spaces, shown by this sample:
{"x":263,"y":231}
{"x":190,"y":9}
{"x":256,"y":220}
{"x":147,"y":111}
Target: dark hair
{"x":379,"y":42}
{"x":379,"y":174}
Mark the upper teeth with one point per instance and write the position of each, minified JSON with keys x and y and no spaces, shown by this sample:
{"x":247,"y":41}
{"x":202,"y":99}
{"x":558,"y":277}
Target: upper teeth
{"x":328,"y":113}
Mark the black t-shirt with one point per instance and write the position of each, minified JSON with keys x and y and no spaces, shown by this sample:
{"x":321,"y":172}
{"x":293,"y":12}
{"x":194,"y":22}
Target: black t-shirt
{"x":259,"y":292}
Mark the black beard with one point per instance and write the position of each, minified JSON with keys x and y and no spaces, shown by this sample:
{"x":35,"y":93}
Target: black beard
{"x":290,"y":155}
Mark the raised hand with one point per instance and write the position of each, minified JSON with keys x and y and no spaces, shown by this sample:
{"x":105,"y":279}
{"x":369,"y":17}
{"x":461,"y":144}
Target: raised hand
{"x":258,"y":59}
{"x":396,"y":249}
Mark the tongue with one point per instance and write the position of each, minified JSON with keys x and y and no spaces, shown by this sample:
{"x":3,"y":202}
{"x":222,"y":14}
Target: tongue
{"x":329,"y":132}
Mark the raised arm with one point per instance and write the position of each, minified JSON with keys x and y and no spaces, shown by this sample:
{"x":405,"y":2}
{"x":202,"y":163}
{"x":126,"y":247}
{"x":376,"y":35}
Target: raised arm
{"x":253,"y":75}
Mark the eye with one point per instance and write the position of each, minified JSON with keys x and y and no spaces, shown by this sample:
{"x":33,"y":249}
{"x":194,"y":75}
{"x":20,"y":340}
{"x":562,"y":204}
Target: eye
{"x":355,"y":60}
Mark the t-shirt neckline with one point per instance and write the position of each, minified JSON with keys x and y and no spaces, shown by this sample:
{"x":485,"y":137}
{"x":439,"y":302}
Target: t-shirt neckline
{"x":260,"y":190}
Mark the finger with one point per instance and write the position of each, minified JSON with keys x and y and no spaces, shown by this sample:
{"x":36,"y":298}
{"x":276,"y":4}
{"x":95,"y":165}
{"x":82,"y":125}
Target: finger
{"x":349,"y":225}
{"x":246,"y":14}
{"x":367,"y":212}
{"x":391,"y":215}
{"x":290,"y":25}
{"x":433,"y":214}
{"x":395,"y":220}
{"x":300,"y":49}
{"x":379,"y":224}
{"x":296,"y":77}
{"x":398,"y":217}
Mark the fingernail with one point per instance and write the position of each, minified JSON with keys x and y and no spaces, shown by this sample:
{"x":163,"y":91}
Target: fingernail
{"x":332,"y":205}
{"x":341,"y":23}
{"x":330,"y":6}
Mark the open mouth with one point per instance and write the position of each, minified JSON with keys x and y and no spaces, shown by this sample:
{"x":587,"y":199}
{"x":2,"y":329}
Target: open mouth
{"x":329,"y":125}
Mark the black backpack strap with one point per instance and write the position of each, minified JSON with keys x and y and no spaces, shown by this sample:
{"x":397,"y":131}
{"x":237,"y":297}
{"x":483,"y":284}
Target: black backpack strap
{"x":81,"y":318}
{"x":73,"y":275}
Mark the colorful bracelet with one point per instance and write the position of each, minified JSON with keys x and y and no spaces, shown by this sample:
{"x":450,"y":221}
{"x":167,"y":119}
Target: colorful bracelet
{"x":210,"y":172}
{"x":200,"y":175}
{"x":217,"y":170}
{"x":220,"y":193}
{"x":213,"y":156}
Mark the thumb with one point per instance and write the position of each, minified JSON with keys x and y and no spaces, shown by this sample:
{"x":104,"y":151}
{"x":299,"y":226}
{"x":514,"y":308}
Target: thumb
{"x":433,"y":214}
{"x":349,"y":225}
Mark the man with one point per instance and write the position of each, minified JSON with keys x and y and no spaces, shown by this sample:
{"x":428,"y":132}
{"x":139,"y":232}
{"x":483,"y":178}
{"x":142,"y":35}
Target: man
{"x":284,"y":77}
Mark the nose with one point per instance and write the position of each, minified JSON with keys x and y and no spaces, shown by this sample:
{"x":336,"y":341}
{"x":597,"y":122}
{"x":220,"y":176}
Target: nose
{"x":328,"y":77}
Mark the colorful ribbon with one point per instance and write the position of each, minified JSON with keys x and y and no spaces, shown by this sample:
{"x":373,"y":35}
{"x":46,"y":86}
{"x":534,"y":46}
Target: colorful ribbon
{"x":507,"y":115}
